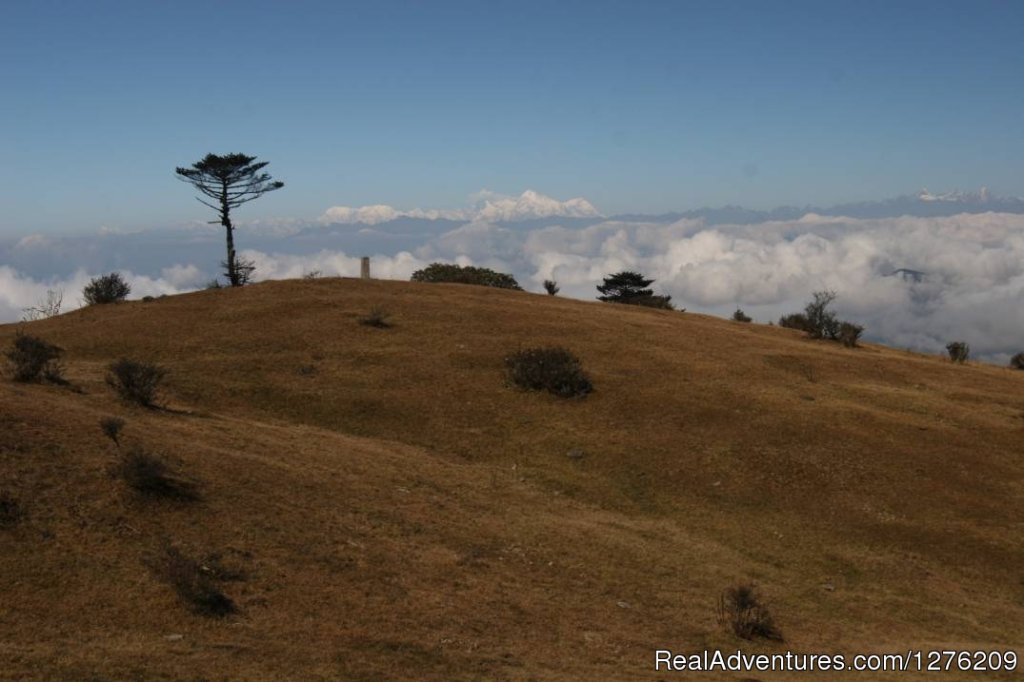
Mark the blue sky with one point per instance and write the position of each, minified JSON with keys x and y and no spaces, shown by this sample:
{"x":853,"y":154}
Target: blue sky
{"x":637,"y":106}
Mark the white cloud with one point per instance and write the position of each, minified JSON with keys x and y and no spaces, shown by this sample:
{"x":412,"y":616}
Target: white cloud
{"x":972,"y":291}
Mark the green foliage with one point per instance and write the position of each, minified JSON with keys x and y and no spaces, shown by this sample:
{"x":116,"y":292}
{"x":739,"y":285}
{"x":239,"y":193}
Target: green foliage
{"x":740,"y":610}
{"x":958,"y":351}
{"x":136,"y":382}
{"x":458,"y":274}
{"x":740,"y":316}
{"x":630,"y":288}
{"x":110,"y":288}
{"x":551,"y":369}
{"x":32,"y":359}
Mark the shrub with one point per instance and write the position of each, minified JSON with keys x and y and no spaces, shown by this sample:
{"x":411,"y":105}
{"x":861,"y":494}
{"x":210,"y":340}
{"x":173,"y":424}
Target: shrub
{"x":795,"y":321}
{"x":958,"y":351}
{"x":548,"y":369}
{"x":150,"y":476}
{"x":111,"y":427}
{"x":136,"y":382}
{"x":110,"y":288}
{"x":551,"y":286}
{"x":849,"y":334}
{"x":740,"y":316}
{"x":193,"y":583}
{"x":214,"y":284}
{"x":312,"y":274}
{"x":10,"y":510}
{"x":377,"y":317}
{"x":822,"y":322}
{"x":1017,"y":361}
{"x":32,"y":359}
{"x":458,"y":274}
{"x":741,"y":611}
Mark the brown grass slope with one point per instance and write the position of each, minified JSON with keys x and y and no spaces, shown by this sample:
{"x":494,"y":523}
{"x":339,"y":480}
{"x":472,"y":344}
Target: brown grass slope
{"x":393,"y":511}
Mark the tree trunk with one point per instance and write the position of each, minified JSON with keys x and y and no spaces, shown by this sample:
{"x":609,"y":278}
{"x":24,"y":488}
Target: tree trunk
{"x":225,"y":220}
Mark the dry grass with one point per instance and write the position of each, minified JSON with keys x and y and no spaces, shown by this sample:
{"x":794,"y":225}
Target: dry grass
{"x":399,"y":514}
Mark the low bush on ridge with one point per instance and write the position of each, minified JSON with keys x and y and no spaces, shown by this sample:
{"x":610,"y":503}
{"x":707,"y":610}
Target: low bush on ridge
{"x":465,"y":274}
{"x":110,"y":288}
{"x":819,"y":321}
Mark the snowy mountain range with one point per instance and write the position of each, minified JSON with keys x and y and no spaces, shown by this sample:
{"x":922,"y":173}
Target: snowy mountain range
{"x":533,"y":208}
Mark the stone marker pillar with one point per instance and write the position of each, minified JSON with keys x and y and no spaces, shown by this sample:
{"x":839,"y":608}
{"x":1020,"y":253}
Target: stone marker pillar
{"x":364,"y":268}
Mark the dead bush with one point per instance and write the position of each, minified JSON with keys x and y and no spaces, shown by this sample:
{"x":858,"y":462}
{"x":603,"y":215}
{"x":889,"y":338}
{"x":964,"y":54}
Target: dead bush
{"x":740,"y":611}
{"x":150,"y":476}
{"x":111,"y":427}
{"x":849,"y":334}
{"x":11,"y":511}
{"x":32,"y":359}
{"x":136,"y":382}
{"x":194,"y":583}
{"x":377,"y":317}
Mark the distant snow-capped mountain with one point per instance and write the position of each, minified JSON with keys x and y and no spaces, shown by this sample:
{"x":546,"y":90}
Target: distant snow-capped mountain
{"x":492,"y":207}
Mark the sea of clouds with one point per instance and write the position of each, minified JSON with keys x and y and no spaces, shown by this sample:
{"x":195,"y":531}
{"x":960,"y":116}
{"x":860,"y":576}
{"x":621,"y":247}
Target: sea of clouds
{"x":972,"y":288}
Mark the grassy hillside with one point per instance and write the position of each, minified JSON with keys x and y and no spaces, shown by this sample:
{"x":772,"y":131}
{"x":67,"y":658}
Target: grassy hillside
{"x":380,"y":505}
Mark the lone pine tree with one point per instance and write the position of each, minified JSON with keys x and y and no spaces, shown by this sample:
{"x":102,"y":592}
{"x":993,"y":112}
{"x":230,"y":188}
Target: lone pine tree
{"x":631,"y":287}
{"x":228,"y":182}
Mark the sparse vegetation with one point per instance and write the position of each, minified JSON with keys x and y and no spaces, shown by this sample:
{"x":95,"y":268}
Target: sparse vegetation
{"x":630,"y":288}
{"x":1017,"y":361}
{"x":740,"y":316}
{"x":312,"y":274}
{"x":819,"y":321}
{"x":795,"y":321}
{"x":11,"y":512}
{"x":377,"y":317}
{"x":459,"y":274}
{"x":822,"y":323}
{"x":214,"y":284}
{"x":105,"y":289}
{"x":958,"y":351}
{"x":741,"y":612}
{"x":136,"y":382}
{"x":150,"y":476}
{"x":551,"y":286}
{"x":46,"y":308}
{"x":111,"y":428}
{"x":553,"y":369}
{"x":849,"y":334}
{"x":194,"y":583}
{"x":33,"y":359}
